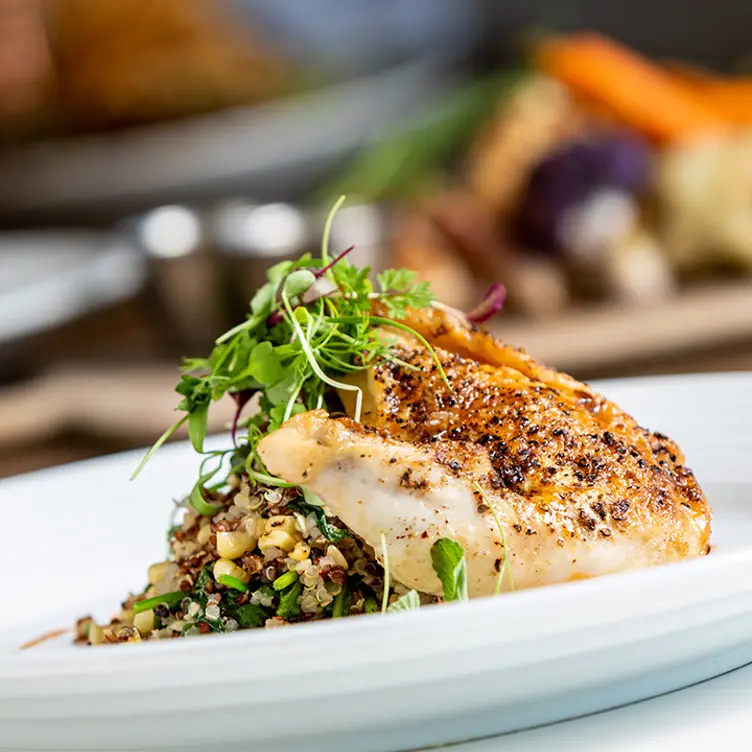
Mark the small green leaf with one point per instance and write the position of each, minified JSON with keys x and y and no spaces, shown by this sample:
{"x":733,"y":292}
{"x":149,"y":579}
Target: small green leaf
{"x":331,"y":532}
{"x":232,"y":582}
{"x":448,"y":559}
{"x":250,"y":615}
{"x":264,"y":364}
{"x":277,"y":415}
{"x":371,"y":606}
{"x":263,"y":300}
{"x":281,"y":391}
{"x":289,"y":607}
{"x":197,"y":423}
{"x":275,"y":274}
{"x":298,"y":282}
{"x":285,"y":580}
{"x":408,"y":602}
{"x":169,"y":599}
{"x":311,"y":498}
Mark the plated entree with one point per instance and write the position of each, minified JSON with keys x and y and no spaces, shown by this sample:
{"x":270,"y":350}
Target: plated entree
{"x":388,"y":453}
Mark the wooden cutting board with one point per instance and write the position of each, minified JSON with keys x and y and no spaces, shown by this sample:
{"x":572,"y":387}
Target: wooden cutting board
{"x":590,"y":338}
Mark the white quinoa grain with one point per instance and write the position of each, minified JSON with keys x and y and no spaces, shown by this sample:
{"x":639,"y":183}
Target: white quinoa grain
{"x":212,"y":612}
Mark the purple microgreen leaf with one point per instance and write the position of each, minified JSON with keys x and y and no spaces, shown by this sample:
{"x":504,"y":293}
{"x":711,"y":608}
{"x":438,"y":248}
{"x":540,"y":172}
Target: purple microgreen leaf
{"x":490,"y":305}
{"x":321,"y":272}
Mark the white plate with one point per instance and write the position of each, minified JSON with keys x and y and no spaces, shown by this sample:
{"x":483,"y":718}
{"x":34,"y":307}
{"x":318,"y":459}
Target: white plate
{"x":81,"y":536}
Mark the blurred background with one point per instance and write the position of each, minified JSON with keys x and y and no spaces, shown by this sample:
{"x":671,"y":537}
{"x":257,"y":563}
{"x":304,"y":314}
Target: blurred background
{"x":156,"y":157}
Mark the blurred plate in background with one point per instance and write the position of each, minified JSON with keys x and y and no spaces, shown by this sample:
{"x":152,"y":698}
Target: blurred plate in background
{"x":50,"y":278}
{"x":277,"y":149}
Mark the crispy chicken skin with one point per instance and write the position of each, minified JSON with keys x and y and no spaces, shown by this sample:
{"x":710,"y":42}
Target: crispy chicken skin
{"x":579,"y":487}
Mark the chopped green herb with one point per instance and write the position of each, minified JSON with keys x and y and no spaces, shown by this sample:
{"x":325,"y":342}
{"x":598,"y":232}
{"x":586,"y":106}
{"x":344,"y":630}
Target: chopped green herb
{"x":371,"y":605}
{"x":232,"y":582}
{"x":289,"y":607}
{"x":408,"y":602}
{"x":168,"y":599}
{"x":331,"y":532}
{"x":285,"y":580}
{"x":448,"y":559}
{"x":342,"y":603}
{"x":250,"y":615}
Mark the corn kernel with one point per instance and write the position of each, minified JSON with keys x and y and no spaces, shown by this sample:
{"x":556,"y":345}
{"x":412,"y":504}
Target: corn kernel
{"x":281,"y":522}
{"x":96,"y":634}
{"x":203,"y":535}
{"x":157,"y":572}
{"x":225,"y":566}
{"x":230,"y":545}
{"x":301,"y":551}
{"x":339,"y":560}
{"x":277,"y":539}
{"x":144,"y":622}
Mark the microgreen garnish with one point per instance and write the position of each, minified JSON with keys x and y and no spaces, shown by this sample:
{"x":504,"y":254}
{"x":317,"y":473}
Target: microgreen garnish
{"x":490,"y":305}
{"x":310,"y":326}
{"x":448,"y":559}
{"x":505,"y":564}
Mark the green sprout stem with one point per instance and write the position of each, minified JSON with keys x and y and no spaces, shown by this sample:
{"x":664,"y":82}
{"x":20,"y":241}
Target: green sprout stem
{"x":385,"y":556}
{"x":504,"y":566}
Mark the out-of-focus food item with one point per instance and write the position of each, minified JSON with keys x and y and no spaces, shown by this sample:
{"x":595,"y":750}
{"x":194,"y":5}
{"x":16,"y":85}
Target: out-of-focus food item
{"x":581,"y":191}
{"x":637,"y":92}
{"x":420,"y":245}
{"x":126,"y":62}
{"x":629,"y":267}
{"x":636,"y":269}
{"x":26,"y":76}
{"x":536,"y":285}
{"x":535,"y":118}
{"x":703,"y":192}
{"x":730,"y":97}
{"x":399,"y":166}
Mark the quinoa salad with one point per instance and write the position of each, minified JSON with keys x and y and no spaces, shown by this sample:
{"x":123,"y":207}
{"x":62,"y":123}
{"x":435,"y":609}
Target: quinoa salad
{"x":266,"y":559}
{"x":248,"y":550}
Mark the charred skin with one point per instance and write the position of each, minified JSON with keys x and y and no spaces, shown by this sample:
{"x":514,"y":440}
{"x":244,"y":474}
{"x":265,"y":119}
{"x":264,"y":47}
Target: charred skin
{"x":580,"y":488}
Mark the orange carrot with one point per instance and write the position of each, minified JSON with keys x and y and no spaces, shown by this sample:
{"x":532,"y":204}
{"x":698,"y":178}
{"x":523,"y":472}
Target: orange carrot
{"x":638,"y":93}
{"x":730,"y":99}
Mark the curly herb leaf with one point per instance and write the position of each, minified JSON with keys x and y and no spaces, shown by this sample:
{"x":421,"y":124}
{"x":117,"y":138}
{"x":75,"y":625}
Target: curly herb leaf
{"x":448,"y":560}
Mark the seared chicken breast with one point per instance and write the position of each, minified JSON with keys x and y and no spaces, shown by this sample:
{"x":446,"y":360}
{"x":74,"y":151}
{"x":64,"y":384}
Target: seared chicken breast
{"x":518,"y":462}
